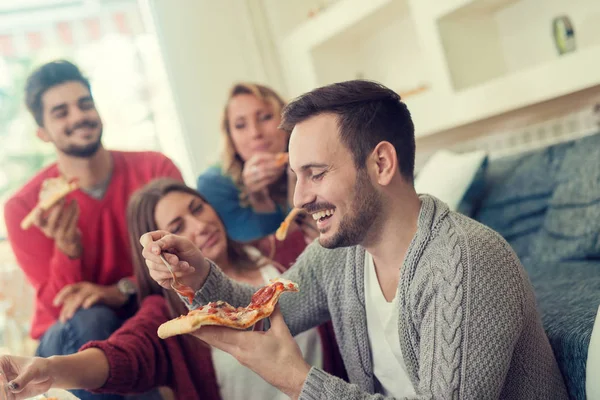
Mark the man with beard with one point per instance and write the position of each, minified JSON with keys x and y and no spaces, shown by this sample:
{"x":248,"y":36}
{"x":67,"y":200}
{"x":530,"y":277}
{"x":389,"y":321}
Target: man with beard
{"x":77,"y":256}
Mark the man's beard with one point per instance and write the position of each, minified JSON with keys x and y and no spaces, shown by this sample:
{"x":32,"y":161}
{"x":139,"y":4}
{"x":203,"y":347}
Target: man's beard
{"x":88,"y":150}
{"x":366,"y":209}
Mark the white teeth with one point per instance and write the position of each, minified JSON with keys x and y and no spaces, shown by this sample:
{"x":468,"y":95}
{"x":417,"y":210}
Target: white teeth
{"x":318,"y":215}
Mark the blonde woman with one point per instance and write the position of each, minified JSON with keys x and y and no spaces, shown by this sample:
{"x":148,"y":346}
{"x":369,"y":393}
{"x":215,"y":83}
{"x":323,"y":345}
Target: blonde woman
{"x":249,"y":186}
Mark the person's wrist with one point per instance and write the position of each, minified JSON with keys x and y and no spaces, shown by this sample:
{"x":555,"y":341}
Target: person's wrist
{"x":72,"y":250}
{"x":202,"y":267}
{"x":297,"y":377}
{"x":123,"y":291}
{"x":53,"y":371}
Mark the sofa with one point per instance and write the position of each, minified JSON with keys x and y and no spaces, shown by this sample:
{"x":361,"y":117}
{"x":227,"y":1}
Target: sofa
{"x":546,"y":204}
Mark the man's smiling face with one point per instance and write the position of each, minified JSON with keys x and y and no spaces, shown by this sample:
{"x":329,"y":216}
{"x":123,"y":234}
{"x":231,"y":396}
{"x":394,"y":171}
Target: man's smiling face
{"x":338,"y":195}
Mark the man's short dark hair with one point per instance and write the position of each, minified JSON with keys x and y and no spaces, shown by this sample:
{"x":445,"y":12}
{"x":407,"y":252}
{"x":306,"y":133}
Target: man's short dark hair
{"x":45,"y":77}
{"x":367,"y":112}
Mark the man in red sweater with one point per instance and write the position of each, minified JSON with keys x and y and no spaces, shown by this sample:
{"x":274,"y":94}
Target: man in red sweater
{"x":77,"y":256}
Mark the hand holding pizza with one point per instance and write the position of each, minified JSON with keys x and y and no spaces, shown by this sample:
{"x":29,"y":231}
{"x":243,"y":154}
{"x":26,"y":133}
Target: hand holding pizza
{"x":186,"y":260}
{"x":60,"y":223}
{"x":56,"y":218}
{"x":274,"y":355}
{"x":263,"y":169}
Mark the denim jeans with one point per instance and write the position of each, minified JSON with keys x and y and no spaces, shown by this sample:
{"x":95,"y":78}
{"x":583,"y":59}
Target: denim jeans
{"x":95,"y":323}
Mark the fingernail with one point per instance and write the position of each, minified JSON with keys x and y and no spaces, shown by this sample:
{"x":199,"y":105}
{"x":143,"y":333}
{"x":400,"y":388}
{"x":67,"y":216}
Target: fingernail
{"x":185,"y":264}
{"x":13,"y":385}
{"x":192,"y":269}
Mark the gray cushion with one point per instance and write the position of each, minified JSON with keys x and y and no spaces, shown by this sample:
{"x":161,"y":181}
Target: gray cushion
{"x":519,"y":189}
{"x":571,"y":228}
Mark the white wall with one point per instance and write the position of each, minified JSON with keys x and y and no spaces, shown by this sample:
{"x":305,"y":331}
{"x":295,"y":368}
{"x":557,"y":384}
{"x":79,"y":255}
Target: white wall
{"x":207,"y":45}
{"x":516,"y":22}
{"x":285,"y":16}
{"x":382,"y":48}
{"x":481,"y":46}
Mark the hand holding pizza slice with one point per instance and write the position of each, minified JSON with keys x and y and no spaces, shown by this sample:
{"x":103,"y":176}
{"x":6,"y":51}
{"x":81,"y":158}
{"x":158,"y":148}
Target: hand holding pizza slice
{"x":221,"y":313}
{"x":273,"y":354}
{"x":53,"y":191}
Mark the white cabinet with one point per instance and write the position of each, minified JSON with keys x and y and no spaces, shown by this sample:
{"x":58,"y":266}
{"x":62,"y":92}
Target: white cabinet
{"x":453,"y":61}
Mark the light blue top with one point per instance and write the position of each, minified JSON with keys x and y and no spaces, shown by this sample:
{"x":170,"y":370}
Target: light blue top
{"x":242,"y":223}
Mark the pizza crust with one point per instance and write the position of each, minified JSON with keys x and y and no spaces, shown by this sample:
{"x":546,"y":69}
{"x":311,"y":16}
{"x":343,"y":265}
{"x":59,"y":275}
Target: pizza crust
{"x":281,"y":232}
{"x":243,"y":317}
{"x":281,"y":159}
{"x":53,"y":190}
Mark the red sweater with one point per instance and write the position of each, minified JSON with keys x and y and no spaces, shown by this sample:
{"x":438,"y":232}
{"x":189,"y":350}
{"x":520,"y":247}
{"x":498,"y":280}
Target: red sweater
{"x":139,"y":360}
{"x":106,"y":255}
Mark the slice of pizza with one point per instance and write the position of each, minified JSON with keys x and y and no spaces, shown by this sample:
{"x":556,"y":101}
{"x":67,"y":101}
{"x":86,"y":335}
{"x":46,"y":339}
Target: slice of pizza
{"x":53,"y":190}
{"x":281,"y":159}
{"x":223,"y":314}
{"x":281,"y":232}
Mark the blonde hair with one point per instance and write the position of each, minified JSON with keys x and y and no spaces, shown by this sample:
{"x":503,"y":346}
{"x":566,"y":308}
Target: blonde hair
{"x":232,"y":163}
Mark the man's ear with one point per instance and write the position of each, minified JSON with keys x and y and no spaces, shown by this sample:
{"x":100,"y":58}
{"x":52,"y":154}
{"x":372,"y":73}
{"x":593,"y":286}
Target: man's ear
{"x":385,"y":162}
{"x":43,"y":134}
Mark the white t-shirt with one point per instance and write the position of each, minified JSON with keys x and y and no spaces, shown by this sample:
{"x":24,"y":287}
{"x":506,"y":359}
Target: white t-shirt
{"x":391,"y":377}
{"x":238,"y":382}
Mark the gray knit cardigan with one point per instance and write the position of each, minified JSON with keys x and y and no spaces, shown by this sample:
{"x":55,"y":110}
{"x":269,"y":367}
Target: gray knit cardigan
{"x":468,"y":323}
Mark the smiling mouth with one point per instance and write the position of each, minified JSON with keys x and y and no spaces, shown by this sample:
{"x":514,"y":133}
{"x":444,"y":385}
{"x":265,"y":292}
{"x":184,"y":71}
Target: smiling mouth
{"x":84,"y":127}
{"x":321,"y":216}
{"x":83,"y":131}
{"x":211,"y":241}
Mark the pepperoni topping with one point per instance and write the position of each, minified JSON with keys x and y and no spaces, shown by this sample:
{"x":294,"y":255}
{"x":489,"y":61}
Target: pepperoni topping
{"x":213,"y":311}
{"x":263,"y":295}
{"x":200,"y":308}
{"x":233,"y":318}
{"x":290,"y":285}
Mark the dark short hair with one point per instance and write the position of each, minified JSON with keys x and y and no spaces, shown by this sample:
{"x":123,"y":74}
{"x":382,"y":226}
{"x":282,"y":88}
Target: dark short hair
{"x":45,"y":77}
{"x":367,"y":114}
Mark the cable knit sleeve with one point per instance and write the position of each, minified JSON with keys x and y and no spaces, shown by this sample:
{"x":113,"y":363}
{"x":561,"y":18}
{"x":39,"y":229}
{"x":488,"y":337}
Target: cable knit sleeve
{"x":475,"y":283}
